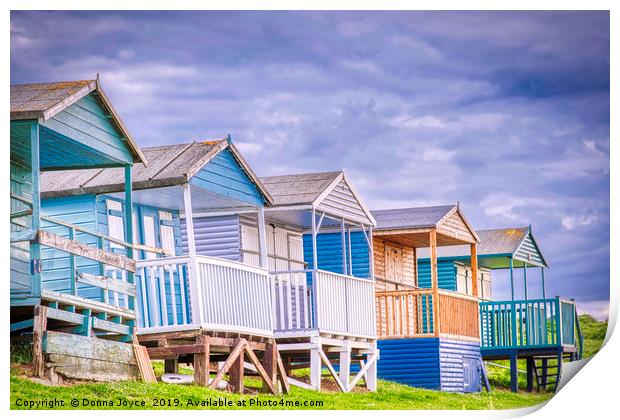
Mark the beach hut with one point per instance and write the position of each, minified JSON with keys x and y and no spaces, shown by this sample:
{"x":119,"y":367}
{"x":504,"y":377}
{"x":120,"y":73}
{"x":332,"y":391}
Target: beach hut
{"x":54,"y":127}
{"x":542,"y":330}
{"x":192,"y":306}
{"x":323,"y":308}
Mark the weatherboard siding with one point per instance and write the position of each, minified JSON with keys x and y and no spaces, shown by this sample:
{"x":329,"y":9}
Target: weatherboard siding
{"x":432,"y":363}
{"x":79,"y":211}
{"x":215,"y":236}
{"x":224,"y":175}
{"x":446,"y":274}
{"x":89,"y":123}
{"x":329,"y":253}
{"x":21,"y":185}
{"x":528,"y":251}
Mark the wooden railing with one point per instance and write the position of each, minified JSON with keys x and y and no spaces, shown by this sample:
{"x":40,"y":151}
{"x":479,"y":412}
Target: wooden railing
{"x":531,"y":323}
{"x":211,"y":293}
{"x":329,"y":302}
{"x":410,"y":314}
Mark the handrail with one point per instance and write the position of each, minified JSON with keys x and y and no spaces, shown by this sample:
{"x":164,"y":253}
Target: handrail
{"x":104,"y":236}
{"x":230,"y":263}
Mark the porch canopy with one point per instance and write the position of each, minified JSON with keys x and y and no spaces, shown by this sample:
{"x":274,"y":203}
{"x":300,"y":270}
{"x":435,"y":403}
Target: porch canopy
{"x":428,"y":227}
{"x":197,"y":177}
{"x":506,"y":248}
{"x":315,"y":201}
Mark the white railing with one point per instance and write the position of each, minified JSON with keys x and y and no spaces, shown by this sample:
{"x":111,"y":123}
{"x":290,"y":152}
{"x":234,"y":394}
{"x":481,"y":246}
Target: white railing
{"x":235,"y":295}
{"x":329,"y":302}
{"x":163,"y":294}
{"x":212,"y":293}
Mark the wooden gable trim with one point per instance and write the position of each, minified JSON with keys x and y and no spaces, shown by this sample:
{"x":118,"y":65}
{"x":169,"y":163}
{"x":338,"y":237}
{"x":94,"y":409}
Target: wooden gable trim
{"x":69,"y":100}
{"x":529,"y":233}
{"x":456,"y":210}
{"x":251,"y":174}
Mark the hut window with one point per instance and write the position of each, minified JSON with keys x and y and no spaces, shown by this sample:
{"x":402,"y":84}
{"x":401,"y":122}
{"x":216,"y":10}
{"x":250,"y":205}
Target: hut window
{"x":116,"y":227}
{"x":148,"y":224}
{"x":166,"y":231}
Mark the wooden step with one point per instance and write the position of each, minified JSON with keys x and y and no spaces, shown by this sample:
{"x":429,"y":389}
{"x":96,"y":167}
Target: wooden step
{"x":84,"y":303}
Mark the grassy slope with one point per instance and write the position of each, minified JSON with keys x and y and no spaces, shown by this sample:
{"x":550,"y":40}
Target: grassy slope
{"x":593,"y":332}
{"x":389,"y":395}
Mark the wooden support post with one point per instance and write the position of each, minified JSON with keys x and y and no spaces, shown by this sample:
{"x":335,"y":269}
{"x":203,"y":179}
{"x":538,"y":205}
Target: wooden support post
{"x":270,"y":363}
{"x":544,"y":372}
{"x":315,"y":259}
{"x":262,"y":238}
{"x":415,"y":267}
{"x":344,"y":364}
{"x":35,"y":248}
{"x":525,"y":280}
{"x":236,"y":371}
{"x":542,"y":277}
{"x":474,"y":269}
{"x":38,"y":331}
{"x":315,"y":364}
{"x":195,"y":295}
{"x":371,"y":373}
{"x":512,"y":283}
{"x":201,"y":361}
{"x":434,"y":281}
{"x":371,"y":257}
{"x":349,"y":251}
{"x":530,"y":374}
{"x":514,"y":373}
{"x":343,"y":247}
{"x":171,"y":366}
{"x":131,"y":300}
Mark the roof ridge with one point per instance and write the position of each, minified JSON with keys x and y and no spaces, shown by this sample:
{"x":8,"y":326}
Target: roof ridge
{"x":86,"y":81}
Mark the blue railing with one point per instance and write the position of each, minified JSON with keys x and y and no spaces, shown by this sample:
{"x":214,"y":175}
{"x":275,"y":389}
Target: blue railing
{"x":531,"y":323}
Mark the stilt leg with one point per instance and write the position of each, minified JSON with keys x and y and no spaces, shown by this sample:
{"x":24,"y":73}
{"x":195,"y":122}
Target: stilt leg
{"x":270,"y":363}
{"x":371,"y":374}
{"x":236,"y":373}
{"x":38,"y":330}
{"x":544,"y":372}
{"x":344,"y":362}
{"x":201,"y":362}
{"x":514,"y":377}
{"x":315,"y":365}
{"x":171,"y":366}
{"x":530,"y":374}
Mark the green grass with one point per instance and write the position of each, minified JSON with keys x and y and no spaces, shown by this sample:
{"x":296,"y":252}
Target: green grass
{"x":593,"y":333}
{"x":388,"y":396}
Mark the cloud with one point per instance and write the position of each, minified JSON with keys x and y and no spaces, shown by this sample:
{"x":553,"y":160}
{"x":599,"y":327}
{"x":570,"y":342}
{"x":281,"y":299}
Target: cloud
{"x":505,"y":112}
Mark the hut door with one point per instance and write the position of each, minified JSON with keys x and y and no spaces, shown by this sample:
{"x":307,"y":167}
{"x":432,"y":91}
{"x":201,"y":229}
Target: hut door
{"x":394,"y":264}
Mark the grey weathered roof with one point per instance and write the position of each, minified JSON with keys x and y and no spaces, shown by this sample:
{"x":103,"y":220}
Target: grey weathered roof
{"x":44,"y":100}
{"x":411,"y":218}
{"x":492,"y":242}
{"x":168,"y":165}
{"x":298,"y":189}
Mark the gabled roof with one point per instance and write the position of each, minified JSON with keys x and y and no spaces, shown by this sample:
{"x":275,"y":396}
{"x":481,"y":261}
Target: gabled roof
{"x":442,"y":218}
{"x":515,"y":242}
{"x":415,"y":217}
{"x":44,"y":100}
{"x":330,"y":192}
{"x":169,"y":165}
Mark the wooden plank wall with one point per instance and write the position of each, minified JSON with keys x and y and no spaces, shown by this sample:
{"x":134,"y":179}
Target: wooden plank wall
{"x":384,"y":283}
{"x":455,"y":226}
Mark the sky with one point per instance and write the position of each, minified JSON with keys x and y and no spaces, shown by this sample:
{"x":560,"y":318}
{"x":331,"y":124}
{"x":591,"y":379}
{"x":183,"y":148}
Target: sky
{"x":506,"y":113}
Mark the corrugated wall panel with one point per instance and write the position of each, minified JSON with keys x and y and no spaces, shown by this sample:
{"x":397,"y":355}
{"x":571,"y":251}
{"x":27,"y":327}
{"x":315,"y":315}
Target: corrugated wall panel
{"x":215,"y":236}
{"x":413,"y":362}
{"x":223,"y":175}
{"x":460,"y":366}
{"x":446,"y":273}
{"x":330,"y":253}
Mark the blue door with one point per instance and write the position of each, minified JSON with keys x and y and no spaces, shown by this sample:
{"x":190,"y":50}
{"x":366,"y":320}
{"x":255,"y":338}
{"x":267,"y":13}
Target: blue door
{"x":471,"y":374}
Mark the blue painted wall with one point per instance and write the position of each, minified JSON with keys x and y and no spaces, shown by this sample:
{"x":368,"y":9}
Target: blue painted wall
{"x":215,"y":236}
{"x":446,"y":274}
{"x":329,"y":247}
{"x":80,"y":211}
{"x":432,"y":363}
{"x":223,"y":175}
